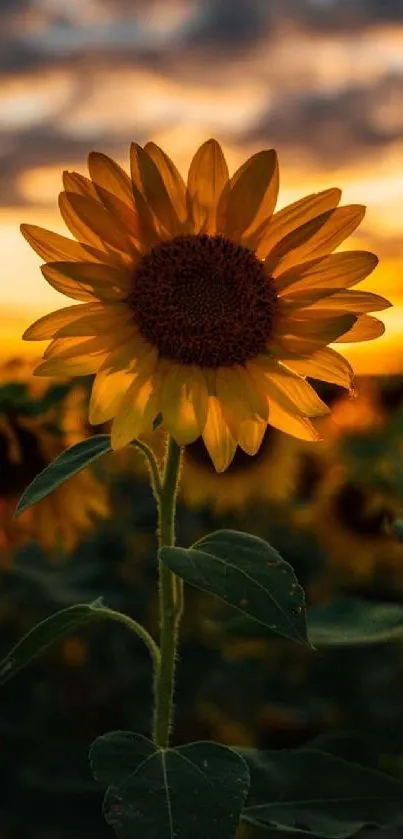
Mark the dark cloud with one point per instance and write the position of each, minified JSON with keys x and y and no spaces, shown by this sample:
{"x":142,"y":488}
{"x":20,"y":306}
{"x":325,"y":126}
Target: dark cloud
{"x":344,"y":15}
{"x":344,"y":125}
{"x":228,"y":25}
{"x":336,"y":128}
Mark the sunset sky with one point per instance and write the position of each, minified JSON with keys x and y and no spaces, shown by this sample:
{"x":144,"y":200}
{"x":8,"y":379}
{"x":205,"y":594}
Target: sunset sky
{"x":321,"y":80}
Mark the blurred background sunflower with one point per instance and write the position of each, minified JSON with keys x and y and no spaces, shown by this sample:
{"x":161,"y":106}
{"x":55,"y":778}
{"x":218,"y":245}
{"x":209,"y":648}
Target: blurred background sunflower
{"x":37,"y":423}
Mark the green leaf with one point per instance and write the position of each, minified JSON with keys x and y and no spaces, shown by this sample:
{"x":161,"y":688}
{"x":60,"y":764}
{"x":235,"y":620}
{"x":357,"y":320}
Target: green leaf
{"x":354,"y":622}
{"x":190,"y":792}
{"x":246,"y":573}
{"x":59,"y":625}
{"x":311,"y":791}
{"x":67,"y":464}
{"x":43,"y":635}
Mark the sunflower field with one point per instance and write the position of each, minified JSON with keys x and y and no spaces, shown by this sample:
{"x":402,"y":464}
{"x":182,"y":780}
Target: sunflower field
{"x":331,"y":510}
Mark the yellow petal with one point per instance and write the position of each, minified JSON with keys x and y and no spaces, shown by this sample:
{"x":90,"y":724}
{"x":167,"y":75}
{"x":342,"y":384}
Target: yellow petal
{"x":147,"y":178}
{"x":139,"y":407}
{"x":244,"y":406}
{"x":324,"y":364}
{"x":87,"y":280}
{"x":339,"y":270}
{"x":217,"y":438}
{"x":124,"y":216}
{"x":287,"y":422}
{"x":104,"y":320}
{"x":47,"y":326}
{"x":236,"y":389}
{"x":88,"y":220}
{"x":208,"y":175}
{"x":249,"y":435}
{"x":107,"y":174}
{"x":78,"y":366}
{"x":290,"y":303}
{"x":173,"y":181}
{"x":150,"y":232}
{"x":292,"y":392}
{"x":315,"y":238}
{"x":252,"y":195}
{"x":293,"y":216}
{"x":115,"y":377}
{"x":73,"y":182}
{"x":184,"y":402}
{"x":366,"y":328}
{"x":52,"y":247}
{"x":71,"y":347}
{"x":308,"y":331}
{"x":353,"y":301}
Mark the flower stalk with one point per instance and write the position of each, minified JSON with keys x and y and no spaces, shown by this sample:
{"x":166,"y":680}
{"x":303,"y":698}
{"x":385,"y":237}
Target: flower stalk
{"x":170,"y":599}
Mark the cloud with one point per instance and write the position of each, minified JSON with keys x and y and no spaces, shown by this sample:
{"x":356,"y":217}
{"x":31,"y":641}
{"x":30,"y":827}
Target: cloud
{"x":339,"y":126}
{"x":254,"y":71}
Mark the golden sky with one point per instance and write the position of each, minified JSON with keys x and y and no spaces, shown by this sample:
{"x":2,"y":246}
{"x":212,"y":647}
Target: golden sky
{"x":321,"y":80}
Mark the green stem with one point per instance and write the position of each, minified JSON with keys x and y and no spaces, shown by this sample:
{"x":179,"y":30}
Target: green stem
{"x":153,"y":467}
{"x":169,"y":600}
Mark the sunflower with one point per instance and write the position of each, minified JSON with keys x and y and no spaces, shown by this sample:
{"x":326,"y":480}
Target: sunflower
{"x":351,"y":519}
{"x":34,"y":429}
{"x":198,"y":302}
{"x":269,"y":476}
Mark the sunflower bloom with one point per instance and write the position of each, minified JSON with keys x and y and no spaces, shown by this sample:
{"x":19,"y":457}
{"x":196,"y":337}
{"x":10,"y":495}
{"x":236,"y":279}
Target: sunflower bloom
{"x":198,"y":302}
{"x":34,"y":429}
{"x":351,"y":520}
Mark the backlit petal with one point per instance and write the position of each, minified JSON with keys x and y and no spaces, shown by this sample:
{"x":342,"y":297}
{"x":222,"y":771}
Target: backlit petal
{"x":339,"y":270}
{"x":87,"y":280}
{"x":115,"y":377}
{"x":184,"y":402}
{"x":139,"y":407}
{"x":88,"y":220}
{"x":106,"y":320}
{"x":292,"y":392}
{"x":366,"y":328}
{"x":243,"y":405}
{"x":252,"y":195}
{"x":299,"y":427}
{"x":78,"y":366}
{"x":53,"y":247}
{"x":217,"y":438}
{"x":326,"y":365}
{"x":73,"y":182}
{"x":293,"y":216}
{"x":316,"y":238}
{"x":147,"y":178}
{"x":173,"y":181}
{"x":125,"y":216}
{"x":353,"y":301}
{"x":208,"y":175}
{"x":308,"y":331}
{"x":107,"y":174}
{"x":47,"y":326}
{"x":72,"y":347}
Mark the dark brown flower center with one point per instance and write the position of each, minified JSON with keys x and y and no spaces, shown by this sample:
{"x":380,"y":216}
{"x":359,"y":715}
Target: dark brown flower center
{"x":361,"y":511}
{"x":204,"y":300}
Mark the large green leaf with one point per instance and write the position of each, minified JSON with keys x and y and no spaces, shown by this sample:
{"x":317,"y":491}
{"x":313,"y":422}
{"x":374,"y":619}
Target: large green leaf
{"x":247,"y":573}
{"x":190,"y":792}
{"x":353,"y":621}
{"x":311,"y":791}
{"x":67,"y":464}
